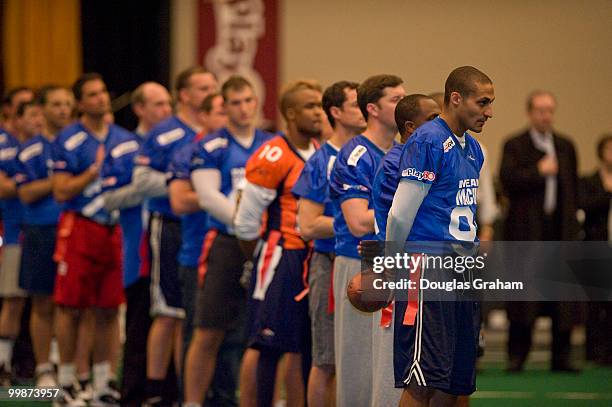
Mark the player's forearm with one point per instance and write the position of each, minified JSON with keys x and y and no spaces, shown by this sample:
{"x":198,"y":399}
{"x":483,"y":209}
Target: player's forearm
{"x":206,"y":183}
{"x":183,"y":202}
{"x":149,"y":183}
{"x":406,"y":204}
{"x":321,"y":227}
{"x":66,"y":186}
{"x":8,"y":189}
{"x":254,"y":201}
{"x":126,"y":196}
{"x":360,"y":223}
{"x":35,"y":190}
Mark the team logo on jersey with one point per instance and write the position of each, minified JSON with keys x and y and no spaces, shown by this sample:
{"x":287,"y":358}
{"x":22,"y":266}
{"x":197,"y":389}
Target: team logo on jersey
{"x":214,"y":144}
{"x":2,"y":138}
{"x":356,"y":155}
{"x":419,"y":175}
{"x":30,"y":152}
{"x":75,"y":140}
{"x":448,"y":144}
{"x":362,"y":188}
{"x":170,"y":136}
{"x":124,"y":148}
{"x":8,"y":153}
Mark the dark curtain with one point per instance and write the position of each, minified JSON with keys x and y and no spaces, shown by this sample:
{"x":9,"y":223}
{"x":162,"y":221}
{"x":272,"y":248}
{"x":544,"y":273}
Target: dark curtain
{"x":128,"y":43}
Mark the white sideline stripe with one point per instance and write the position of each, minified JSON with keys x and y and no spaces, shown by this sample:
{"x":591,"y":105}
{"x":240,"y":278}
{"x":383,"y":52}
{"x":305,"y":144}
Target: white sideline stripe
{"x":529,"y":395}
{"x":579,"y":396}
{"x":503,"y":395}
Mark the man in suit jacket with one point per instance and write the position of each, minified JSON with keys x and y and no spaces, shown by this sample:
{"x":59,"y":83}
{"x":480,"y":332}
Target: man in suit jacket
{"x":538,"y":173}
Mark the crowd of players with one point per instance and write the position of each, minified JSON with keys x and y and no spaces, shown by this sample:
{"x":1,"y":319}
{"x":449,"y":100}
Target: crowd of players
{"x":232,"y":246}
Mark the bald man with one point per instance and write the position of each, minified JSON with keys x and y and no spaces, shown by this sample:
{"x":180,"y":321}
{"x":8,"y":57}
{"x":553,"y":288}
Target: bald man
{"x":151,"y":103}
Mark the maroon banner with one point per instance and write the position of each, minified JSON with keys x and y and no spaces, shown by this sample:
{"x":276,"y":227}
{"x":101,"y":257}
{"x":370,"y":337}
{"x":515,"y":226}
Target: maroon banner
{"x":240,"y":37}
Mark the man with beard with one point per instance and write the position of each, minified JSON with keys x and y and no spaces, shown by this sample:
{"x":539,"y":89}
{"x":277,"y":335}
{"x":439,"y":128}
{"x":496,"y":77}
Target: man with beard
{"x":278,"y":312}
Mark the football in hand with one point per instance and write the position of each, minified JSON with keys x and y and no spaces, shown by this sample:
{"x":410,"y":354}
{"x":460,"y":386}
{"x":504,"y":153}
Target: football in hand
{"x":363,"y":295}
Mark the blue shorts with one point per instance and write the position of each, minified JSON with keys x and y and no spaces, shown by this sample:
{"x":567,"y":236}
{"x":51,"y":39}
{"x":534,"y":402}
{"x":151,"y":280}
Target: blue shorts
{"x":276,"y":319}
{"x":164,"y":245}
{"x":37,"y":271}
{"x":439,"y":350}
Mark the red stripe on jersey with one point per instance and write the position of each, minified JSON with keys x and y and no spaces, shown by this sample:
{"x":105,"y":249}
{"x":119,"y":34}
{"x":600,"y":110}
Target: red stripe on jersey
{"x":272,"y":242}
{"x":209,"y":238}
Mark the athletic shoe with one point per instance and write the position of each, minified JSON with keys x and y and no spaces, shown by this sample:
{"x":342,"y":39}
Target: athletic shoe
{"x":46,"y":378}
{"x":107,"y":397}
{"x":85,"y":390}
{"x":68,"y":397}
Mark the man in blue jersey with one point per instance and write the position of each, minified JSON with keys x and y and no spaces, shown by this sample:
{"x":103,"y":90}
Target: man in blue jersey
{"x":436,"y":343}
{"x":316,"y":218}
{"x":217,"y":170}
{"x":164,"y":229}
{"x":88,"y":244}
{"x":151,"y":103}
{"x":410,"y":113}
{"x":12,"y":212}
{"x":41,"y":213}
{"x":351,"y":192}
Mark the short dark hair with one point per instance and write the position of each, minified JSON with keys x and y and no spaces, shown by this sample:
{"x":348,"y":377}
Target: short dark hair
{"x":10,"y":94}
{"x":539,"y":92}
{"x":463,"y":80}
{"x":21,"y":109}
{"x":601,"y":144}
{"x":335,"y":95}
{"x":207,"y":103}
{"x":77,"y":88}
{"x":234,"y":82}
{"x":371,"y":90}
{"x":407,"y":109}
{"x":182,"y":80}
{"x":43,"y":92}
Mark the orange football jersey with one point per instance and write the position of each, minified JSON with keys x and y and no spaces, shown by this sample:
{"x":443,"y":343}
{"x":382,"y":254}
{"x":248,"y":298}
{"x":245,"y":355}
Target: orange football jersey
{"x":277,"y":165}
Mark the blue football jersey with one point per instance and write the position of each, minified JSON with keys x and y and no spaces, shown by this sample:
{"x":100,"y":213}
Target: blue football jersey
{"x":313,"y":184}
{"x":12,"y":209}
{"x":74,"y":152}
{"x":385,"y":184}
{"x":158,"y":150}
{"x":193,"y":225}
{"x":221,"y":151}
{"x":117,"y":172}
{"x":35,"y":162}
{"x":352,"y":177}
{"x":433,"y":155}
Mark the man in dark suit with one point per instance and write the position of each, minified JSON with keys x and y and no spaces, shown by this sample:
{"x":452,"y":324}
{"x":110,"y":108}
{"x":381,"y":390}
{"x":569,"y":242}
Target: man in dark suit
{"x":538,"y":173}
{"x":595,"y":199}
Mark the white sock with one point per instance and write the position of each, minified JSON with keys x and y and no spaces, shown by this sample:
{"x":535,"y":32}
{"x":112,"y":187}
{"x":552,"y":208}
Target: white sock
{"x":66,"y":374}
{"x":6,"y":352}
{"x":101,"y":375}
{"x":44,"y":367}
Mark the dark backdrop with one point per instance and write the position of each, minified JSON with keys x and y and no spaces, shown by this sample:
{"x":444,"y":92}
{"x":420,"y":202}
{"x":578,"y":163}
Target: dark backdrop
{"x":128,"y":43}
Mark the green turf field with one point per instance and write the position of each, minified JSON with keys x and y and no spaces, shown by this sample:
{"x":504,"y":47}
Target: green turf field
{"x":534,"y":387}
{"x":537,"y":386}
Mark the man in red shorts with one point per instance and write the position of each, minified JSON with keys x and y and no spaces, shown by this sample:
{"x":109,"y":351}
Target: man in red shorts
{"x":88,"y":246}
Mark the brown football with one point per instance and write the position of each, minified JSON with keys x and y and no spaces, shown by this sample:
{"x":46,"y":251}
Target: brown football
{"x":356,"y":289}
